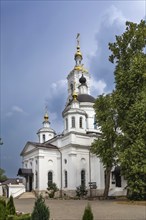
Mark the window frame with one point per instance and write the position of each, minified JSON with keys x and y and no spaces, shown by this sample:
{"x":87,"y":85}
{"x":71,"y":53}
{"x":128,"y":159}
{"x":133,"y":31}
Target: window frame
{"x":73,"y":122}
{"x":81,"y":122}
{"x":65,"y":179}
{"x":83,"y":178}
{"x":44,"y":138}
{"x":50,"y":180}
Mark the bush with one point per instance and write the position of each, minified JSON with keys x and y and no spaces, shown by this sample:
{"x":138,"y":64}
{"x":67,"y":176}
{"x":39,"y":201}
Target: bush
{"x":88,"y":215}
{"x":10,"y":208}
{"x":52,"y":188}
{"x":40,"y":211}
{"x":81,"y":191}
{"x":21,"y":217}
{"x":2,"y":209}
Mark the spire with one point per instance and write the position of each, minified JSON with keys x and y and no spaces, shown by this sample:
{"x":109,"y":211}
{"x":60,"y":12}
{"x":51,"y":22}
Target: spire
{"x":46,"y":122}
{"x":78,"y":55}
{"x":45,"y":133}
{"x":46,"y":116}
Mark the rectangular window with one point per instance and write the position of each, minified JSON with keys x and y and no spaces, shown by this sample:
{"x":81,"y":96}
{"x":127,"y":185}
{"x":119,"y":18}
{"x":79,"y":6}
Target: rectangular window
{"x":81,"y":122}
{"x":73,"y":122}
{"x":50,"y":177}
{"x":83,"y":180}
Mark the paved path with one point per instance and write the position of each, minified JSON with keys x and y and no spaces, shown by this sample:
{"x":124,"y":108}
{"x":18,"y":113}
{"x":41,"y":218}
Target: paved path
{"x":74,"y":209}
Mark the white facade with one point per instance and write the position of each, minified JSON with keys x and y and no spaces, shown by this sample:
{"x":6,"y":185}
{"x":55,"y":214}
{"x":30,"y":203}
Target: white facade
{"x":66,"y":159}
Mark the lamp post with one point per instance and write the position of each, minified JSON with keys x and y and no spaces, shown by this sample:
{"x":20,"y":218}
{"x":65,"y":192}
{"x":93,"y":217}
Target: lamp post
{"x":1,"y":143}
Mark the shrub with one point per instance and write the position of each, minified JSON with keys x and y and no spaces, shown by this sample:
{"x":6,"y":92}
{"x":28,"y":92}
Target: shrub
{"x":21,"y":217}
{"x":88,"y":215}
{"x":40,"y":211}
{"x":10,"y":208}
{"x":81,"y":191}
{"x":52,"y":188}
{"x":2,"y":209}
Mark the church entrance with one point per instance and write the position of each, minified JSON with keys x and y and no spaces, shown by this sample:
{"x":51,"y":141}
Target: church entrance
{"x":28,"y":175}
{"x":118,"y":180}
{"x":117,"y":173}
{"x":30,"y":183}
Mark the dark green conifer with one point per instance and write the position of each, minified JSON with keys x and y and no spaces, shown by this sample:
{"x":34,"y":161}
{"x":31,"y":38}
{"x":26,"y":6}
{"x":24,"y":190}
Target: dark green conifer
{"x":40,"y":211}
{"x":2,"y":209}
{"x":10,"y":206}
{"x":88,"y":215}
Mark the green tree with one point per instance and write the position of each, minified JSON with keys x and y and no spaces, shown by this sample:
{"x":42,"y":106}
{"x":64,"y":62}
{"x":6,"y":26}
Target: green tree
{"x":128,"y":52}
{"x":104,"y":147}
{"x":40,"y":211}
{"x":2,"y":175}
{"x":88,"y":215}
{"x":10,"y":207}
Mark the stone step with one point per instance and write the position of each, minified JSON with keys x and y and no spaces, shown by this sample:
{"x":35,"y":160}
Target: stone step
{"x":27,"y":195}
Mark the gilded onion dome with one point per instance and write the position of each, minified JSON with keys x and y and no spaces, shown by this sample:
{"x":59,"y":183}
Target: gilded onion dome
{"x":46,"y":117}
{"x":78,"y":53}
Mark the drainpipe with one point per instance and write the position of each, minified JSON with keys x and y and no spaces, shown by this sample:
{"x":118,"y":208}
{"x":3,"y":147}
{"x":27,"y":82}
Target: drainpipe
{"x":90,"y":172}
{"x":60,"y":172}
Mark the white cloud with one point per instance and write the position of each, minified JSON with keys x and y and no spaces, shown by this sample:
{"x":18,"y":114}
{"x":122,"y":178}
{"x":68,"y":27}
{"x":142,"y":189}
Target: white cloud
{"x":15,"y":109}
{"x":57,"y":88}
{"x":112,"y":22}
{"x":113,"y":15}
{"x":97,"y":87}
{"x":53,"y":116}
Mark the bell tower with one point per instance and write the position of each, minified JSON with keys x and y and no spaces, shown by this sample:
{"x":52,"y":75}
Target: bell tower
{"x":74,"y":76}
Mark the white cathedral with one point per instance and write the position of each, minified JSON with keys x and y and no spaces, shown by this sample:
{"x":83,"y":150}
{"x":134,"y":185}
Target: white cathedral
{"x":65,"y":159}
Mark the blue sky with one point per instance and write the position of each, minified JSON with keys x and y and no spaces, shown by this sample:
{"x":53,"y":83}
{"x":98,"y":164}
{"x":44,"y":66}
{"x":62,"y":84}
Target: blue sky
{"x":38,"y":42}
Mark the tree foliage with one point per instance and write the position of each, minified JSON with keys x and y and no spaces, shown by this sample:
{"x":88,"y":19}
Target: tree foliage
{"x":2,"y":209}
{"x":88,"y":215}
{"x":40,"y":211}
{"x":128,"y":52}
{"x":105,"y":147}
{"x":3,"y":177}
{"x":10,"y":208}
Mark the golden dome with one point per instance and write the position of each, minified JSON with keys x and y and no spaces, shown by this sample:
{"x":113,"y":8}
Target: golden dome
{"x":46,"y":117}
{"x":78,"y":53}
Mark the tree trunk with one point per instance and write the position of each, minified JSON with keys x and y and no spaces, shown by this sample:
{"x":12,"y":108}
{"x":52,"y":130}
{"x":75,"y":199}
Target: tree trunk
{"x":107,"y":182}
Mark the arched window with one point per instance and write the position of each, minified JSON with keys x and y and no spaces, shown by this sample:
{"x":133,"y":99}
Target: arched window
{"x":73,"y":122}
{"x":65,"y":179}
{"x":81,"y":122}
{"x":44,"y":138}
{"x":83,"y":178}
{"x":50,"y":177}
{"x":66,"y":123}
